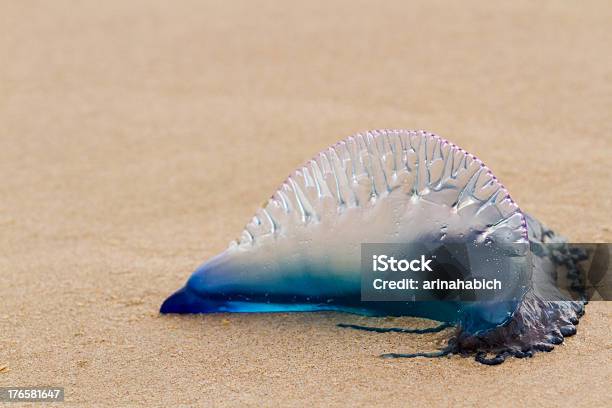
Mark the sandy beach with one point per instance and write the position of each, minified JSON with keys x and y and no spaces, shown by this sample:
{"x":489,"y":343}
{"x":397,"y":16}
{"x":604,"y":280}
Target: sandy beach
{"x":137,"y":138}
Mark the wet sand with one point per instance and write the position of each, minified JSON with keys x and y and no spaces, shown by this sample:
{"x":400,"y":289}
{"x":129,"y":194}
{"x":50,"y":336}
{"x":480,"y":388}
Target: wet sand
{"x":137,"y":139}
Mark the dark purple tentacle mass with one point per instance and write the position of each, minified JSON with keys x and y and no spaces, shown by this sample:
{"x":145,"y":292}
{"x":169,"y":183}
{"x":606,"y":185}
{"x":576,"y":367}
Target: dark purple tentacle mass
{"x":539,"y":323}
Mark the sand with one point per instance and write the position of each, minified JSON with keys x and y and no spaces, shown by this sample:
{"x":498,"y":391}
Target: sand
{"x":137,"y":138}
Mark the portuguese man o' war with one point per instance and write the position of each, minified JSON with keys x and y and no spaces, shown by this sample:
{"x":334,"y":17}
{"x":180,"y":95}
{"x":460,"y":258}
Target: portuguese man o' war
{"x":301,"y":251}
